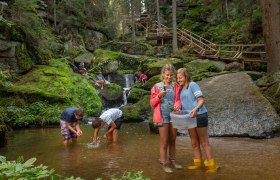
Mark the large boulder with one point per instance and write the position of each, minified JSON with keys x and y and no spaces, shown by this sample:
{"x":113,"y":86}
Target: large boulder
{"x":111,"y":92}
{"x":237,"y":108}
{"x":110,"y":61}
{"x":93,"y":39}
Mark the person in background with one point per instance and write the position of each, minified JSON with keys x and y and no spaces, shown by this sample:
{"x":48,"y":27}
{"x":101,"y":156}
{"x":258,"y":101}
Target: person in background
{"x":100,"y":80}
{"x":111,"y":118}
{"x":70,"y":124}
{"x":165,"y":98}
{"x":142,"y":78}
{"x":192,"y":100}
{"x":81,"y":68}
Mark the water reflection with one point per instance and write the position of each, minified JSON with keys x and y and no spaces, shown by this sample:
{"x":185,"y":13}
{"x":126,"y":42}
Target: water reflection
{"x":137,"y":150}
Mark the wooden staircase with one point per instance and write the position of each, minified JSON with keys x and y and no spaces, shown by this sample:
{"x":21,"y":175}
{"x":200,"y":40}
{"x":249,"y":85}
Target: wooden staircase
{"x":208,"y":49}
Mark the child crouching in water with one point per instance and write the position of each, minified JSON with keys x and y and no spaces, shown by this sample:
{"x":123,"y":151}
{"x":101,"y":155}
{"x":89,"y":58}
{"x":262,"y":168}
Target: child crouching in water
{"x":111,"y":118}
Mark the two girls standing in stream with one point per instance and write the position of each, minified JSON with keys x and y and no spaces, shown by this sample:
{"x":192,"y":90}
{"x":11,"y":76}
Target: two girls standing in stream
{"x":168,"y":96}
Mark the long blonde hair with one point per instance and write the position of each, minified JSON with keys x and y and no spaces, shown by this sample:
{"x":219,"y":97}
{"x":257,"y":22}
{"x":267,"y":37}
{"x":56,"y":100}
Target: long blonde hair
{"x":185,"y":72}
{"x":167,"y":67}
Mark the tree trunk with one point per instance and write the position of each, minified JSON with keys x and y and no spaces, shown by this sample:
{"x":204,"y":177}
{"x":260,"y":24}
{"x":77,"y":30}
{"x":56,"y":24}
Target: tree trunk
{"x":227,"y":8}
{"x":158,"y":18}
{"x":54,"y":12}
{"x":271,"y":31}
{"x":132,"y":5}
{"x":174,"y":27}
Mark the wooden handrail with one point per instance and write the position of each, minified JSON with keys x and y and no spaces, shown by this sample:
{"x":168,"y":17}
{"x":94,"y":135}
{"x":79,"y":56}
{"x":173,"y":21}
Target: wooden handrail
{"x":204,"y":46}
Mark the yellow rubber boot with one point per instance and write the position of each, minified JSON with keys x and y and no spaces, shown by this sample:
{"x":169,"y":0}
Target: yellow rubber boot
{"x":197,"y":163}
{"x":211,"y":166}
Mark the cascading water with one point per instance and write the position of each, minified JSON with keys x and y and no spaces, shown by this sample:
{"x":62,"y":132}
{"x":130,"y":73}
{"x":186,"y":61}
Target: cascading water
{"x":125,"y":81}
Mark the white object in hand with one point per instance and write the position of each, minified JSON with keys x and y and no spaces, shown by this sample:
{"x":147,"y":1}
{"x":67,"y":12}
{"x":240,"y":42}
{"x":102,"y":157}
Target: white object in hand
{"x":182,"y":120}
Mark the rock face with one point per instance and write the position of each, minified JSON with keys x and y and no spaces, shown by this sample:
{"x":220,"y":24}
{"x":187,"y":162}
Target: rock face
{"x":234,"y":66}
{"x":14,"y":55}
{"x":237,"y":108}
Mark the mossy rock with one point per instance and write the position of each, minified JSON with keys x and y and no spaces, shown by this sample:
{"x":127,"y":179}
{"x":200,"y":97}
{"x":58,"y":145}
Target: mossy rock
{"x":57,"y":84}
{"x":24,"y":61}
{"x":202,"y":69}
{"x":155,"y":67}
{"x":135,"y":112}
{"x":273,"y":95}
{"x":110,"y":61}
{"x":111,"y":92}
{"x":136,"y":94}
{"x":84,"y":57}
{"x":151,"y":82}
{"x":139,"y":48}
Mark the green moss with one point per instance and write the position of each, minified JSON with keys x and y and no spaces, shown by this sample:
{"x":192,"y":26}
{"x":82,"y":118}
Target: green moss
{"x":57,"y":84}
{"x":154,"y":68}
{"x":142,"y":48}
{"x":151,"y":82}
{"x":126,"y":71}
{"x":202,"y":69}
{"x":136,"y":111}
{"x":112,"y":91}
{"x":110,"y":61}
{"x":136,"y":94}
{"x":23,"y":59}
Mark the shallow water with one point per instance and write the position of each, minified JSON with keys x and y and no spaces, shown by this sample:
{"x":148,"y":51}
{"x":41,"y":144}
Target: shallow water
{"x":138,"y":150}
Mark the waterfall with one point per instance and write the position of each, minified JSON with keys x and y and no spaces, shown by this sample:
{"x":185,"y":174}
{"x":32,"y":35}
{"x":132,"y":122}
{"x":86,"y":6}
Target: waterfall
{"x":126,"y":81}
{"x":125,"y":93}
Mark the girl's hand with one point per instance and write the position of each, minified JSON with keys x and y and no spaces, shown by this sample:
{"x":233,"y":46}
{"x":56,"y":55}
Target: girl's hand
{"x":193,"y":113}
{"x":79,"y":133}
{"x":161,"y":94}
{"x":176,"y":109}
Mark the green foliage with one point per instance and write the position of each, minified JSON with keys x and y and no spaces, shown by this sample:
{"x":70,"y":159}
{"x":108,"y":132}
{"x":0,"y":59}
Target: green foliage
{"x":44,"y":92}
{"x":70,"y":13}
{"x":209,"y":20}
{"x":38,"y":37}
{"x":39,"y":113}
{"x":136,"y":94}
{"x":136,"y":111}
{"x":132,"y":176}
{"x":10,"y":30}
{"x":4,"y":80}
{"x":26,"y":170}
{"x":23,"y":59}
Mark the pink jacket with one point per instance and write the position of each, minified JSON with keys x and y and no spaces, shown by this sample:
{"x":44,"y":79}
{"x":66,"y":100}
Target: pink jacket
{"x":155,"y":102}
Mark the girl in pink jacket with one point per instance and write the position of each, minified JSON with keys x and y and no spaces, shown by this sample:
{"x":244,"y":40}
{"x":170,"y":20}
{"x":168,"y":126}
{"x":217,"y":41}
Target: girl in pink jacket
{"x":165,"y":98}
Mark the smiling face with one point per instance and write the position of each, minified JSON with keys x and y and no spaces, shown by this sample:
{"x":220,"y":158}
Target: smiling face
{"x":181,"y":79}
{"x":167,"y":77}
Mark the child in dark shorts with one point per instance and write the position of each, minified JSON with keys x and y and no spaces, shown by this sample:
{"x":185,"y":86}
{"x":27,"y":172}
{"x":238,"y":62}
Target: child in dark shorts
{"x":113,"y":119}
{"x":70,"y":124}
